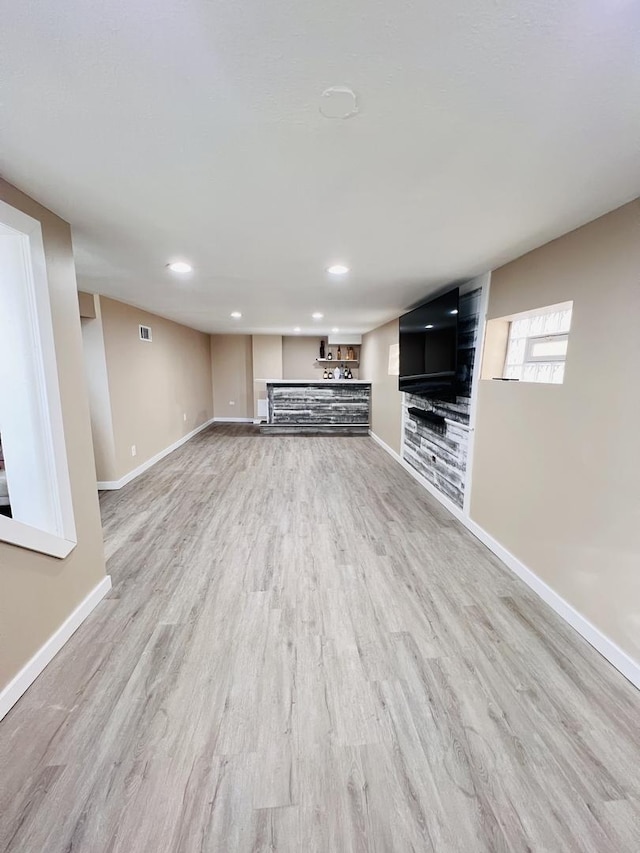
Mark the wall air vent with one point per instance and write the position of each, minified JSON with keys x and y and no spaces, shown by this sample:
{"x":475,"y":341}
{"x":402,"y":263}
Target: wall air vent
{"x":145,"y":333}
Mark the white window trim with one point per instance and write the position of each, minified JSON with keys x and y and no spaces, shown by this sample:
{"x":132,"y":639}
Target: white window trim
{"x":539,"y":312}
{"x":529,"y":358}
{"x":56,"y":477}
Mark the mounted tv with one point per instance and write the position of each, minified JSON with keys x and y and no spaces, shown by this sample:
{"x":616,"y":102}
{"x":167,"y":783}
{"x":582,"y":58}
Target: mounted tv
{"x":429,"y":347}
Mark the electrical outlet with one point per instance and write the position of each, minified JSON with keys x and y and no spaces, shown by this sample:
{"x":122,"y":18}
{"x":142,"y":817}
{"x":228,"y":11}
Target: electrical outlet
{"x":184,"y":416}
{"x":133,"y":450}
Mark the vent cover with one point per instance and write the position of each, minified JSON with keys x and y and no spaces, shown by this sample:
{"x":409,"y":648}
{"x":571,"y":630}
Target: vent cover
{"x":145,"y":333}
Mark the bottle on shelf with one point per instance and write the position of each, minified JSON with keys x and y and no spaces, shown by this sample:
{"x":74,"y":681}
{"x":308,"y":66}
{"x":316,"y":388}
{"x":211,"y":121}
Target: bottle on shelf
{"x":329,"y":373}
{"x":321,"y":347}
{"x":337,"y":373}
{"x":325,"y":375}
{"x":339,"y":356}
{"x":329,"y":355}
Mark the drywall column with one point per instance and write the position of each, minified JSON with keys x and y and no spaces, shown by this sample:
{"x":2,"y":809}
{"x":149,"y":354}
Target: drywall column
{"x":386,"y":401}
{"x":95,"y":369}
{"x":231,"y":361}
{"x":267,"y":364}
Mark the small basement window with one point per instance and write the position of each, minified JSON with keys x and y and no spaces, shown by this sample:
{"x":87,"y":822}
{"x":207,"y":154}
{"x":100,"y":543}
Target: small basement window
{"x":537,"y":344}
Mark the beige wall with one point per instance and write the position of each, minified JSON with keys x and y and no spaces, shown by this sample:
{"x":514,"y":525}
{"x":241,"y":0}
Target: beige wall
{"x":37,"y":593}
{"x":557,"y":467}
{"x":299,"y":356}
{"x":152,"y":386}
{"x":386,"y":400}
{"x":232,"y":368}
{"x":267,"y":364}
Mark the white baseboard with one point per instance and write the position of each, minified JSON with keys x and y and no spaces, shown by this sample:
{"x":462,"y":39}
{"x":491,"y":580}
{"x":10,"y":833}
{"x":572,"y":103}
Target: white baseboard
{"x":444,"y":500}
{"x":106,"y":485}
{"x":607,"y":648}
{"x":31,"y":670}
{"x":233,"y":420}
{"x":618,"y":658}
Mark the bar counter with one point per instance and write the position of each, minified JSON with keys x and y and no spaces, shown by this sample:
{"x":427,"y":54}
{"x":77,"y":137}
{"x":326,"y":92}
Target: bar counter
{"x":318,"y":406}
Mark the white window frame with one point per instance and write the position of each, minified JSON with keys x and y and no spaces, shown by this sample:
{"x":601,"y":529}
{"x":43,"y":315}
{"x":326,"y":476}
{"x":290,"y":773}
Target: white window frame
{"x":51,"y":481}
{"x":529,"y":358}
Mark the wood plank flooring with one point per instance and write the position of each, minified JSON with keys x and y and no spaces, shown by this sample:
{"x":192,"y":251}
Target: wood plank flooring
{"x":304,"y":652}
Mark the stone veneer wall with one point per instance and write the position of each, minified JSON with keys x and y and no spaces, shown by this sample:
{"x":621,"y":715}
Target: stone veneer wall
{"x":317,"y":403}
{"x":440,"y":455}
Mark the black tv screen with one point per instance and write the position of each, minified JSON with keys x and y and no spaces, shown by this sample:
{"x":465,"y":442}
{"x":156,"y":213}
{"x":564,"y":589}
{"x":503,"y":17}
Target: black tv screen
{"x":429,"y":347}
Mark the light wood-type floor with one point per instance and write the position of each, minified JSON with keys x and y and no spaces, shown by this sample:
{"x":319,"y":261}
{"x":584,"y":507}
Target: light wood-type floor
{"x":304,"y":652}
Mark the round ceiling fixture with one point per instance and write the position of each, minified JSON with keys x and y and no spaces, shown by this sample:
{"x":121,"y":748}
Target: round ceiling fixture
{"x":317,"y":315}
{"x":337,"y":269}
{"x":338,"y":102}
{"x":180,"y":266}
{"x":236,"y":315}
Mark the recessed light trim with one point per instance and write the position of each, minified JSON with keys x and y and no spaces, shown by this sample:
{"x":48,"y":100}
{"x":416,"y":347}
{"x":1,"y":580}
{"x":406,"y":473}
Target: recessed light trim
{"x":236,"y":315}
{"x":297,"y":329}
{"x":429,"y":326}
{"x":337,"y":269}
{"x":455,"y":311}
{"x":317,"y":315}
{"x":335,"y":329}
{"x":180,"y":267}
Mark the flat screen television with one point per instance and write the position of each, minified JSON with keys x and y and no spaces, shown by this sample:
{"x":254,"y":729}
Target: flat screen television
{"x":429,"y":347}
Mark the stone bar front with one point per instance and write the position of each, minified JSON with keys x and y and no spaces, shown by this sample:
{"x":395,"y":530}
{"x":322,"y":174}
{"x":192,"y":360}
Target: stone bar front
{"x":323,"y":406}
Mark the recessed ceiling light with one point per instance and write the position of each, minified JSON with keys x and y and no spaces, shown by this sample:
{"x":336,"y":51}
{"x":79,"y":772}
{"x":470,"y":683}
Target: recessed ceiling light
{"x":317,"y":315}
{"x":180,"y":266}
{"x":430,"y":326}
{"x":338,"y":269}
{"x":455,"y":311}
{"x":236,"y":315}
{"x":297,"y":329}
{"x":335,"y":329}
